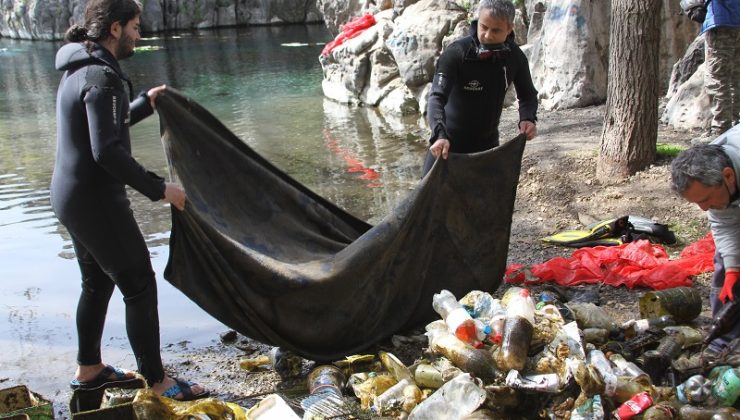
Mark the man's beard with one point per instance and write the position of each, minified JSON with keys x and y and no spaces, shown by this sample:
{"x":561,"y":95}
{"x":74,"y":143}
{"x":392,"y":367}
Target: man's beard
{"x":125,"y":47}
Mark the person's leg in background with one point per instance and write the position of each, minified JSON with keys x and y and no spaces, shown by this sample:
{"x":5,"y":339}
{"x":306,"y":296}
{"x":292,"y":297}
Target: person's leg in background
{"x":720,"y":59}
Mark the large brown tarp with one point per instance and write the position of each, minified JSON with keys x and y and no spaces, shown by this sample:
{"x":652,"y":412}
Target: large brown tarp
{"x":274,"y":261}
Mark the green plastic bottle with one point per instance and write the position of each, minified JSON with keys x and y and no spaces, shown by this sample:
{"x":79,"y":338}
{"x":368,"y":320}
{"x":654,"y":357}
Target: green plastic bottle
{"x":726,"y":387}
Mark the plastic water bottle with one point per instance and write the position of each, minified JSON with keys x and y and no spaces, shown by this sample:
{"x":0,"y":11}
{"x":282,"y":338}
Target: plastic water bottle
{"x":404,"y":395}
{"x":455,"y":400}
{"x":497,"y":323}
{"x":588,"y":315}
{"x":476,"y":361}
{"x":548,"y":382}
{"x":286,"y":363}
{"x":634,"y":328}
{"x":458,"y":320}
{"x":596,"y":336}
{"x":726,"y":387}
{"x":626,"y":367}
{"x":518,"y":330}
{"x":427,"y":376}
{"x":601,"y":363}
{"x":695,"y":390}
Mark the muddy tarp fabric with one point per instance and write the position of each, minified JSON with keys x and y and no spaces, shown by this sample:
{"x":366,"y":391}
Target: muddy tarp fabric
{"x":269,"y":258}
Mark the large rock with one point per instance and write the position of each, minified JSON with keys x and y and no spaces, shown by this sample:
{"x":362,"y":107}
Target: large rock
{"x":690,"y":107}
{"x":347,"y":67}
{"x":569,"y":63}
{"x":400,"y":100}
{"x":178,"y":14}
{"x":570,"y":39}
{"x":391,"y":64}
{"x":417,"y":38}
{"x":49,"y":19}
{"x":34,"y":19}
{"x":338,"y":12}
{"x":687,"y":65}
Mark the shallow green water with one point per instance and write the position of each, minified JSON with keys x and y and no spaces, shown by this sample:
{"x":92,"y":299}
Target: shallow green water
{"x":268,"y":93}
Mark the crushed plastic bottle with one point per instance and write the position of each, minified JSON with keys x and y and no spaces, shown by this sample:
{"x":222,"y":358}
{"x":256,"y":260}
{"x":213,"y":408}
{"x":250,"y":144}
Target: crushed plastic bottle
{"x":446,"y":368}
{"x":372,"y":386}
{"x":595,"y":336}
{"x":549,"y":382}
{"x":475,"y":361}
{"x":404,"y":396}
{"x":479,"y":304}
{"x":601,"y":363}
{"x":286,"y":363}
{"x":458,"y":319}
{"x":726,"y":387}
{"x":589,"y":315}
{"x":591,"y":409}
{"x":626,"y":367}
{"x":455,"y":400}
{"x":509,"y":293}
{"x":628,"y":386}
{"x":518,"y":330}
{"x":691,"y":336}
{"x":497,"y":322}
{"x":427,"y":376}
{"x":634,"y":328}
{"x":547,"y":322}
{"x":695,"y":390}
{"x":394,"y":366}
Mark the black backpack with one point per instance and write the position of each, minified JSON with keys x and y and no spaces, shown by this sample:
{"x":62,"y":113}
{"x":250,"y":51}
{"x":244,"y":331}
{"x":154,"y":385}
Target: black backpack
{"x":696,"y":10}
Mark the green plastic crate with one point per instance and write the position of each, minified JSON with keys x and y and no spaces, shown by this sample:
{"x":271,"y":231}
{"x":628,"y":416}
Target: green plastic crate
{"x":17,"y":401}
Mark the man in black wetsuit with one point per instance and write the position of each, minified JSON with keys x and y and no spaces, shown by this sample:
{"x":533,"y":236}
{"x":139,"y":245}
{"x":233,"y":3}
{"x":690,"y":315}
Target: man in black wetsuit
{"x":93,"y":166}
{"x":470,"y":83}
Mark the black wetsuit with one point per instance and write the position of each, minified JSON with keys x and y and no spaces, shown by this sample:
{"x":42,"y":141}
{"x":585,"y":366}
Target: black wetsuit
{"x":93,"y":166}
{"x":468,"y":93}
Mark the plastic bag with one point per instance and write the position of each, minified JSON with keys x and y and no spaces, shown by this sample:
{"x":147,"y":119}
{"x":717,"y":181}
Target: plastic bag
{"x":348,"y":31}
{"x":638,"y":263}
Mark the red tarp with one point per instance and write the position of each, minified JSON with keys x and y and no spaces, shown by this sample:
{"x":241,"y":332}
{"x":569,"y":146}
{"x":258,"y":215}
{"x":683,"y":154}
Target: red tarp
{"x":348,"y":31}
{"x":638,"y":263}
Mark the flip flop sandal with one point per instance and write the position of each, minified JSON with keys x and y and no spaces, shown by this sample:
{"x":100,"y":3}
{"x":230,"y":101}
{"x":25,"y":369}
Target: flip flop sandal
{"x":184,"y":387}
{"x":103,"y":380}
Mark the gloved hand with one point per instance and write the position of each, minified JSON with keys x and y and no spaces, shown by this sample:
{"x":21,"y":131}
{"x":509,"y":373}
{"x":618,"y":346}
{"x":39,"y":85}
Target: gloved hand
{"x":726,"y":292}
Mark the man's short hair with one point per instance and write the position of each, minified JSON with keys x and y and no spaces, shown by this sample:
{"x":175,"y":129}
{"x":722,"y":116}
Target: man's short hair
{"x":703,"y":163}
{"x":498,"y":9}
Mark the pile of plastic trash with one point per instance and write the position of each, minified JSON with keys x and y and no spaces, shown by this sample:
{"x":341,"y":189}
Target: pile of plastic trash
{"x":525,"y":356}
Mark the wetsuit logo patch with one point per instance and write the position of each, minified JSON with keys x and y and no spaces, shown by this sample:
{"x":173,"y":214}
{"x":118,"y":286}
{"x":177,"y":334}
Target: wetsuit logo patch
{"x":473,"y":86}
{"x":115,"y":110}
{"x":441,"y":80}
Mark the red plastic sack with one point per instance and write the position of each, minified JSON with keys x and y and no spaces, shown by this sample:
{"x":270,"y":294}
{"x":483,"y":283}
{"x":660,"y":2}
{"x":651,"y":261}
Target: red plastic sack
{"x":348,"y":31}
{"x":635,"y":264}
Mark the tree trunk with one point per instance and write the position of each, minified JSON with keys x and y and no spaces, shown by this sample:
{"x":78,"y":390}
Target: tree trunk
{"x":630,"y":131}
